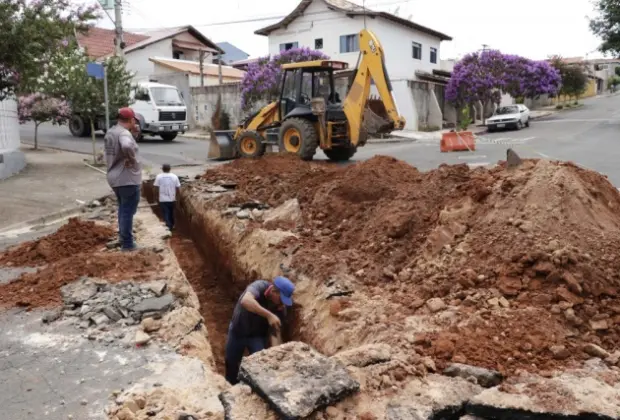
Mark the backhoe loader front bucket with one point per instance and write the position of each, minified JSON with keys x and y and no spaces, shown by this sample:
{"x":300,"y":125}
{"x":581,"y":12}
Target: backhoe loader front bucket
{"x":222,"y":145}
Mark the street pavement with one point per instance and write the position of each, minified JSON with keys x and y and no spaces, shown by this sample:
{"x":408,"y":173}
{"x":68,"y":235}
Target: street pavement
{"x":586,"y":136}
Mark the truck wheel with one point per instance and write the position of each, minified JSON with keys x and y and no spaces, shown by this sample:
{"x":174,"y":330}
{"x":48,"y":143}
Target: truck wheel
{"x":251,"y":145}
{"x":299,"y":136}
{"x":168,"y":136}
{"x":78,"y":127}
{"x":340,"y":154}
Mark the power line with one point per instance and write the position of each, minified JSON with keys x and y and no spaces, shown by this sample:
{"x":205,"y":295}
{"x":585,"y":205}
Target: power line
{"x":278,"y":17}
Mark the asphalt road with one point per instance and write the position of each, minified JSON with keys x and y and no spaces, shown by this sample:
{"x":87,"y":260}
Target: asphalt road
{"x":587,"y":136}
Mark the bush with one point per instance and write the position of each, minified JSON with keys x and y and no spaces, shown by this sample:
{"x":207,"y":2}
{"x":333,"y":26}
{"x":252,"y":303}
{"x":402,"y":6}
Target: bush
{"x":559,"y":107}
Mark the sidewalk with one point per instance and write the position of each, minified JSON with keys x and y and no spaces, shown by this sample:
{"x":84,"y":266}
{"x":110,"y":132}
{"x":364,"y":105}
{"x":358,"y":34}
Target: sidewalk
{"x":52,"y":181}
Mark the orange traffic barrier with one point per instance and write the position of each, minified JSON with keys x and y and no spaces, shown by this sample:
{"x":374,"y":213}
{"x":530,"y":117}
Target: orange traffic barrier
{"x":457,"y":141}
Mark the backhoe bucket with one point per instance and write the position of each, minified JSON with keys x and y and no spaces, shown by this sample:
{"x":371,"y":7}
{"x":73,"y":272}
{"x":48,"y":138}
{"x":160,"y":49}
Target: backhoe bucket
{"x":222,"y":145}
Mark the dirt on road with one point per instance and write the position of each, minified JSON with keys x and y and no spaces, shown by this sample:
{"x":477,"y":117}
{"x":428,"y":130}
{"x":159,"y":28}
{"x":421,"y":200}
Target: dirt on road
{"x":510,"y":269}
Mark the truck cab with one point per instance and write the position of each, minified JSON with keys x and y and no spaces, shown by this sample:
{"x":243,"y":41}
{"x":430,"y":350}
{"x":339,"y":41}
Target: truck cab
{"x":160,"y":111}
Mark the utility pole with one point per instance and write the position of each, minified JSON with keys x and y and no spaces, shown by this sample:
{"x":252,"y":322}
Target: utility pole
{"x":484,"y":47}
{"x":201,"y":59}
{"x":219,"y":70}
{"x":118,"y":23}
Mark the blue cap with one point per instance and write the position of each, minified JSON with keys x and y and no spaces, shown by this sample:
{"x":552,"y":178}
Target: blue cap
{"x":286,"y":288}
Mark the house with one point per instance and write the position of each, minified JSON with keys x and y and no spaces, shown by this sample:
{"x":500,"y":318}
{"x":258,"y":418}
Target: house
{"x":184,"y":43}
{"x":165,"y":65}
{"x":243,"y":64}
{"x":231,"y":53}
{"x":411,"y":50}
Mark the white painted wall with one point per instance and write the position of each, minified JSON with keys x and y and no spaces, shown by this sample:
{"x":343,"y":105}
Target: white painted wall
{"x":320,"y":22}
{"x":9,"y":125}
{"x":138,"y":60}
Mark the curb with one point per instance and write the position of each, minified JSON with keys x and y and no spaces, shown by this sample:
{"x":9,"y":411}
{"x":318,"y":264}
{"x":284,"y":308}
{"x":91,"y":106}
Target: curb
{"x":60,"y":149}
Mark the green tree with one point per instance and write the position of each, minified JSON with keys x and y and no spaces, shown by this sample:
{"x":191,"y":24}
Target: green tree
{"x":617,"y":71}
{"x":65,"y":76}
{"x":574,"y":77}
{"x":33,"y":30}
{"x":607,"y":25}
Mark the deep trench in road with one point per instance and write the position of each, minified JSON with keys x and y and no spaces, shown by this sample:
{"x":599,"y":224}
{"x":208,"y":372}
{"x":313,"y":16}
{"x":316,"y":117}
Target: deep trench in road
{"x":207,"y":267}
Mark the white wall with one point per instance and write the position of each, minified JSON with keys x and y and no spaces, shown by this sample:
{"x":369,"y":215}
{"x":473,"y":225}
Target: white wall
{"x":320,"y":22}
{"x":138,"y":60}
{"x":13,"y":159}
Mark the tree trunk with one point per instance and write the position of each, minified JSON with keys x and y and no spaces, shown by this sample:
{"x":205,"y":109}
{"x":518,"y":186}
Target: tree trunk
{"x":94,"y":141}
{"x":36,"y":133}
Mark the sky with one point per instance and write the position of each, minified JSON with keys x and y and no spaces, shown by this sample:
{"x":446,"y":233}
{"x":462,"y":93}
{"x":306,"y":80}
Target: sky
{"x":535,"y":29}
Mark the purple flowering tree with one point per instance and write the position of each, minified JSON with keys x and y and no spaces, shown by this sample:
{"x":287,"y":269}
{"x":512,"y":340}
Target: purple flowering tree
{"x":484,"y":76}
{"x":262,"y":79}
{"x":41,"y":108}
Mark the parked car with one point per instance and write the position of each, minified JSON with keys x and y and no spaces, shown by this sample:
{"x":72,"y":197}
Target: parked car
{"x":511,"y":116}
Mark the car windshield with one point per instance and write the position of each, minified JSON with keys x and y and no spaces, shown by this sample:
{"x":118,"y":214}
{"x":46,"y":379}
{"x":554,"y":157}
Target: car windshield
{"x":507,"y":110}
{"x":166,"y":96}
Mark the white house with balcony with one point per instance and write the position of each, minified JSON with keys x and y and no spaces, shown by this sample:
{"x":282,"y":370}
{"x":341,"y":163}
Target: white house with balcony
{"x":411,"y":50}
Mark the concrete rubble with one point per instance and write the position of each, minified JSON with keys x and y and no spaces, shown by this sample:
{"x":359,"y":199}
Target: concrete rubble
{"x":296,"y":380}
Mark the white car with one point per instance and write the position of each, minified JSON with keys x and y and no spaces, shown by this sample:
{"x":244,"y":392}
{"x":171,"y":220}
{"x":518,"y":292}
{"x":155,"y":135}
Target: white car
{"x":510,"y":116}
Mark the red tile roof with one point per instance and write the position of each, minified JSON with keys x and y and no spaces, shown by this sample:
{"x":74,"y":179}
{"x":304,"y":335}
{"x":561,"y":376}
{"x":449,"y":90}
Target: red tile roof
{"x":99,"y":42}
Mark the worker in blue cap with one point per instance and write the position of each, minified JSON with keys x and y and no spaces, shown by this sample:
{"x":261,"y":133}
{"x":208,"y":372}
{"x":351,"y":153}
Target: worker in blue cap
{"x":258,"y":316}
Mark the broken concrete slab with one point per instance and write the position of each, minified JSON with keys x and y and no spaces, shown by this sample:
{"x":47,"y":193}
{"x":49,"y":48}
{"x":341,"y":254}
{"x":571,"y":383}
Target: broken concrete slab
{"x":339,"y":286}
{"x":433,"y":397}
{"x":240,"y":403}
{"x":590,"y":393}
{"x":78,"y":292}
{"x":297,"y":380}
{"x":158,"y":304}
{"x":158,"y":287}
{"x":484,"y":377}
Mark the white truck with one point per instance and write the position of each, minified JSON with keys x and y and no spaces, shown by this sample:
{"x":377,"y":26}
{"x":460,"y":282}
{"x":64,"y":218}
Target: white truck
{"x":159,"y":108}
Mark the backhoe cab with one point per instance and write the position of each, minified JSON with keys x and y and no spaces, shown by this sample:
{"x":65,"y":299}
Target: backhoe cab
{"x":310,"y":114}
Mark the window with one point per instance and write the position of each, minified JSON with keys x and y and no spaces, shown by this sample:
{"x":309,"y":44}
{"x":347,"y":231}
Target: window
{"x":318,"y":44}
{"x":417,"y":50}
{"x":142,"y":94}
{"x":166,"y":96}
{"x":177,"y":55}
{"x":289,"y":46}
{"x":349,"y":43}
{"x":434,"y":55}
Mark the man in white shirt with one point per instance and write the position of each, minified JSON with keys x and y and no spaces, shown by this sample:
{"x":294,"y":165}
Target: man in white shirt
{"x":167,"y":184}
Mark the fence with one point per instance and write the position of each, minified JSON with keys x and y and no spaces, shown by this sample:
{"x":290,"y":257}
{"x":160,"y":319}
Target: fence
{"x":11,"y":158}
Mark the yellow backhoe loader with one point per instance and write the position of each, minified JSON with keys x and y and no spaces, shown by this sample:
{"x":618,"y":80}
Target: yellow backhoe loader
{"x":309,"y":113}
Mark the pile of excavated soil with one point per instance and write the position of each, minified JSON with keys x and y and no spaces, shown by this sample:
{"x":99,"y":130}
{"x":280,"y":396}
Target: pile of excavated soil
{"x":73,"y":238}
{"x":522,"y":264}
{"x":42,"y":289}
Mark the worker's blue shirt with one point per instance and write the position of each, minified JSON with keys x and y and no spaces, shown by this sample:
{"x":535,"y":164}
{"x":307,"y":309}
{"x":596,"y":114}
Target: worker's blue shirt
{"x":246,"y":324}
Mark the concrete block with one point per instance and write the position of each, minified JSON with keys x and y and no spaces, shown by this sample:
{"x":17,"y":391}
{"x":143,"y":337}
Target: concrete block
{"x":434,"y":397}
{"x":296,"y":380}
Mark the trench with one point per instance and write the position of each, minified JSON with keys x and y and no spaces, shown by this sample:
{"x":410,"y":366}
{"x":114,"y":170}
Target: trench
{"x":212,"y":272}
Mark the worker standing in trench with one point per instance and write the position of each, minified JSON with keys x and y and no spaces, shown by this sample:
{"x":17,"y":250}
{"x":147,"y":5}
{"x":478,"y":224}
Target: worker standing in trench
{"x":257,"y":317}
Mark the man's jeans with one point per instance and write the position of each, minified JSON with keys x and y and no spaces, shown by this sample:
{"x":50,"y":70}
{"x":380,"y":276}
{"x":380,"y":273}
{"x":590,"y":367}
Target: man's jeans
{"x":235,"y":346}
{"x":128,"y":197}
{"x":167,"y":208}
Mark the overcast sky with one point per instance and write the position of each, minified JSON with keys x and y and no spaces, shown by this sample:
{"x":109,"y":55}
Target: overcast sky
{"x":532,"y":28}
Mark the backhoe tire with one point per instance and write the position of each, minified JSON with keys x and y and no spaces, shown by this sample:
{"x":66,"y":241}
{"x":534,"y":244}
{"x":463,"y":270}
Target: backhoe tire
{"x":250,"y":144}
{"x":340,"y":154}
{"x":298,"y":135}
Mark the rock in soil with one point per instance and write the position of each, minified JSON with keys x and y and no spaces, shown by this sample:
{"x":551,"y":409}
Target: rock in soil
{"x":484,"y":377}
{"x":154,"y":305}
{"x":240,"y":403}
{"x":297,"y":380}
{"x":434,"y":397}
{"x":79,"y":292}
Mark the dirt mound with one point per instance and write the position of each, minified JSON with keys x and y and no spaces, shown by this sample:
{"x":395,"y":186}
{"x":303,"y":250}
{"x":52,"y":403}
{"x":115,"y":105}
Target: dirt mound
{"x":73,"y":238}
{"x":528,"y":259}
{"x":42,"y":289}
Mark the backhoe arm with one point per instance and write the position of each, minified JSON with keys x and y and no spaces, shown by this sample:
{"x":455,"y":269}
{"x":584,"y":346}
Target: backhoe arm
{"x":372,"y":65}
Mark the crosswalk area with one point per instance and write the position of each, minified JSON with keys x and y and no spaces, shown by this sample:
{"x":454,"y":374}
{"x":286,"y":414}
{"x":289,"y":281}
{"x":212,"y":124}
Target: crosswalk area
{"x":503,"y":140}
